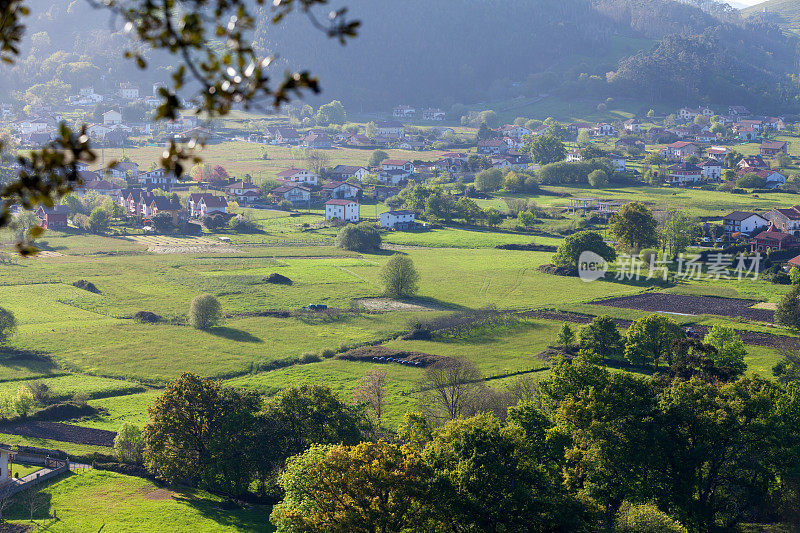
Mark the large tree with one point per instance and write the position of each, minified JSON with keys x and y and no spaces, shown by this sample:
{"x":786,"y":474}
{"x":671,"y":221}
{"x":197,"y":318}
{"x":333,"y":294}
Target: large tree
{"x":8,"y":325}
{"x":650,"y":338}
{"x":569,"y":251}
{"x":400,"y":277}
{"x":634,"y":226}
{"x":545,"y":149}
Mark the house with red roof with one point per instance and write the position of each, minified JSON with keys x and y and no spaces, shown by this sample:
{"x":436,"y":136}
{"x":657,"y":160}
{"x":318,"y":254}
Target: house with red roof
{"x":214,"y":204}
{"x":786,"y":220}
{"x":492,"y":146}
{"x":297,"y":194}
{"x":773,"y":148}
{"x":684,"y":174}
{"x":55,"y":217}
{"x":772,"y":239}
{"x":680,"y":150}
{"x":243,"y":191}
{"x":298,"y":175}
{"x":753,"y":163}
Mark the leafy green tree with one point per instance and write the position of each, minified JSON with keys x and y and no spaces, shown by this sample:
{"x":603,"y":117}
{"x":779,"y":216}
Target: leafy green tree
{"x":787,"y":312}
{"x":493,"y":216}
{"x":372,"y":486}
{"x":203,"y":433}
{"x":557,"y":130}
{"x":592,"y":151}
{"x":513,"y":182}
{"x":751,"y":181}
{"x":371,"y":131}
{"x":99,"y":220}
{"x":332,"y":113}
{"x":679,"y":232}
{"x":650,"y":339}
{"x":468,"y":210}
{"x":566,"y":337}
{"x":732,"y":158}
{"x":441,"y":205}
{"x":484,"y":132}
{"x":205,"y":312}
{"x":162,"y":222}
{"x":377,"y":157}
{"x":634,"y":226}
{"x":8,"y":325}
{"x":489,"y":180}
{"x":361,"y":237}
{"x":583,"y":138}
{"x":602,"y":337}
{"x":569,"y":252}
{"x":129,"y":444}
{"x":400,"y":277}
{"x":526,"y":218}
{"x":598,"y":178}
{"x":730,"y":352}
{"x":545,"y":149}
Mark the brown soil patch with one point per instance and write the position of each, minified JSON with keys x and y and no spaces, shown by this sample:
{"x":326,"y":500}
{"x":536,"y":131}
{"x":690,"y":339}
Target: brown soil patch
{"x":158,"y":494}
{"x":61,"y":432}
{"x":374,"y":354}
{"x":658,"y":302}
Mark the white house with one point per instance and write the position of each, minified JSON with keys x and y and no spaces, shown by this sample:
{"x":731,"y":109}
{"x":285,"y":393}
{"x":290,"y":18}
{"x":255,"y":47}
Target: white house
{"x":398,"y":164}
{"x":686,"y":113}
{"x":159,"y":178}
{"x":391,"y":129}
{"x":210,"y":205}
{"x":340,"y":189}
{"x":712,"y":170}
{"x":743,"y":222}
{"x":604,"y":130}
{"x":112,"y":118}
{"x":433,"y":114}
{"x":574,"y":156}
{"x":397,"y":219}
{"x":298,"y":175}
{"x":684,"y":174}
{"x":243,"y":190}
{"x":345,"y":172}
{"x":296,"y":194}
{"x":128,"y":91}
{"x":404,"y":111}
{"x":618,"y":162}
{"x":341,"y":209}
{"x":632,"y":126}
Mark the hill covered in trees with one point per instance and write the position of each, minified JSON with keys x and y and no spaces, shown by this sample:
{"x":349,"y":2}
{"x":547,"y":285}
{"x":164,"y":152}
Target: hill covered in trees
{"x":785,"y":13}
{"x":464,"y":52}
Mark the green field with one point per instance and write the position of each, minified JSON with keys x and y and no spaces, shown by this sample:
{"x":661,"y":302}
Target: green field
{"x":105,"y":501}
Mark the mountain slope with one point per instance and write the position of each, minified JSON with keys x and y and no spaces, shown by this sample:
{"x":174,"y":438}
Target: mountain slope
{"x":786,"y":13}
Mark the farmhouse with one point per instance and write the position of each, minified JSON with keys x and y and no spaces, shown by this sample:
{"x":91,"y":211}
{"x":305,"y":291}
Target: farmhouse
{"x":404,"y":111}
{"x":492,"y":146}
{"x":343,"y":210}
{"x":604,"y":130}
{"x":296,"y":194}
{"x":284,"y":135}
{"x":391,"y":129}
{"x":751,"y":164}
{"x":128,"y":91}
{"x":683,"y":174}
{"x":786,"y":220}
{"x":298,"y":175}
{"x":398,"y":219}
{"x":398,"y":164}
{"x":743,"y":222}
{"x":210,"y":205}
{"x":158,"y":178}
{"x":345,"y":172}
{"x":112,"y":118}
{"x":712,"y":170}
{"x":162,"y":204}
{"x":618,"y":162}
{"x":632,"y":125}
{"x":772,"y":239}
{"x":106,"y":188}
{"x":318,"y":140}
{"x":216,"y":204}
{"x":773,"y":148}
{"x":433,"y":114}
{"x":773,"y":178}
{"x":340,"y":189}
{"x":243,"y":191}
{"x":716,"y":152}
{"x":746,"y":133}
{"x":574,"y":156}
{"x":53,"y":217}
{"x":124,"y":170}
{"x":680,"y":149}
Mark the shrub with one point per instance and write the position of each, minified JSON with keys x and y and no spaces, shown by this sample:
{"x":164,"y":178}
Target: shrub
{"x":286,"y":205}
{"x":215,"y":221}
{"x":646,"y":518}
{"x":362,"y":237}
{"x":327,"y":353}
{"x":309,"y":358}
{"x":205,"y":312}
{"x":87,"y":286}
{"x":598,"y":178}
{"x":8,"y":325}
{"x":277,"y":279}
{"x":129,"y":444}
{"x":147,"y":317}
{"x":647,"y":255}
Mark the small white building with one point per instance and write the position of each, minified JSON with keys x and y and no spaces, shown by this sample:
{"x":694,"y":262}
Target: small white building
{"x":397,"y":219}
{"x":712,"y":170}
{"x":619,"y":162}
{"x":128,"y":91}
{"x":112,"y":118}
{"x":343,"y":210}
{"x":298,"y":175}
{"x":743,"y":222}
{"x":5,"y":463}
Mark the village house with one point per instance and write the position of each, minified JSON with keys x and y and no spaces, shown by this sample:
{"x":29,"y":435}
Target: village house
{"x":34,"y":125}
{"x":400,"y":219}
{"x":683,"y":174}
{"x":297,"y":194}
{"x":712,"y":170}
{"x":738,"y":110}
{"x":743,"y":222}
{"x":128,"y":91}
{"x":411,"y":144}
{"x":574,"y":156}
{"x":212,"y":205}
{"x":492,"y":146}
{"x":772,"y":178}
{"x":774,"y":123}
{"x":514,"y":131}
{"x":773,"y":148}
{"x":404,"y":111}
{"x":124,"y":170}
{"x":398,"y":164}
{"x":112,"y":118}
{"x":632,"y":126}
{"x":391,"y":129}
{"x":746,"y":133}
{"x":158,"y":178}
{"x":753,"y":123}
{"x":345,"y":172}
{"x":298,"y":175}
{"x":342,"y":210}
{"x":321,"y":141}
{"x":688,"y":113}
{"x":104,"y":187}
{"x":55,"y":217}
{"x":604,"y":130}
{"x":340,"y":190}
{"x":753,"y":163}
{"x":717,"y":153}
{"x":786,"y":220}
{"x":619,"y":162}
{"x":705,"y":138}
{"x":243,"y":191}
{"x":680,"y":150}
{"x":163,"y":204}
{"x":772,"y":240}
{"x":284,"y":135}
{"x":433,"y":113}
{"x":138,"y":202}
{"x":197,"y":197}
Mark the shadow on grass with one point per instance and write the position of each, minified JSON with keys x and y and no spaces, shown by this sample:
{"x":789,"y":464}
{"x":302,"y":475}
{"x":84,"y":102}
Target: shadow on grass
{"x":35,"y":362}
{"x":489,"y":332}
{"x":233,"y":334}
{"x":252,"y":518}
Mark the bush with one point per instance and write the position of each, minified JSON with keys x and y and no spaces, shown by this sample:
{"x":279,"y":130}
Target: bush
{"x":129,"y":444}
{"x":362,"y":237}
{"x":277,"y":279}
{"x":205,"y":312}
{"x":489,"y":180}
{"x":64,"y":411}
{"x":598,"y":178}
{"x":87,"y":286}
{"x":309,"y":358}
{"x":146,"y":317}
{"x":241,"y":224}
{"x":215,"y":221}
{"x":327,"y":353}
{"x":646,"y":518}
{"x":8,"y":325}
{"x":647,"y":255}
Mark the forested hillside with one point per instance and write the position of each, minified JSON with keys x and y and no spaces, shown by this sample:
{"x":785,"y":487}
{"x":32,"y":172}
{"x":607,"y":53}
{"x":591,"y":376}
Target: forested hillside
{"x":463,"y":52}
{"x":786,"y":13}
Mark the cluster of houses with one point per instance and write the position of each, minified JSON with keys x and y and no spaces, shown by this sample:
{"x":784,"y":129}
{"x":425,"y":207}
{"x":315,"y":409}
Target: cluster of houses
{"x":775,"y":230}
{"x":408,"y":112}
